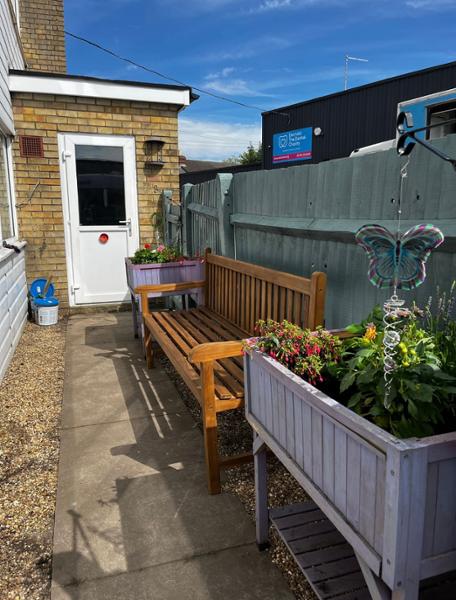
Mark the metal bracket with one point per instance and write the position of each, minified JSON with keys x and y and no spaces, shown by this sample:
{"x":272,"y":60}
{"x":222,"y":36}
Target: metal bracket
{"x":407,"y":138}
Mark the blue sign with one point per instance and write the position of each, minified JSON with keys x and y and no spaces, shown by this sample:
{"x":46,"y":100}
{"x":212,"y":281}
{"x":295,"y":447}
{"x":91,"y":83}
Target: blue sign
{"x":293,"y":145}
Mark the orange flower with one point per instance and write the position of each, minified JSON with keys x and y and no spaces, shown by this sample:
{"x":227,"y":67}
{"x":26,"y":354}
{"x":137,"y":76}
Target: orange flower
{"x":371,"y":332}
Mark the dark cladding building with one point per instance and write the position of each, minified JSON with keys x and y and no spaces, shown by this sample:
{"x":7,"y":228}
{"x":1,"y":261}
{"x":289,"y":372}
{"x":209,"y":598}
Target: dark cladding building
{"x":336,"y":125}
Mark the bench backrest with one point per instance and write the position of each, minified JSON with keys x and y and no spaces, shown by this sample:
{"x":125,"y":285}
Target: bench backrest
{"x":243,"y":293}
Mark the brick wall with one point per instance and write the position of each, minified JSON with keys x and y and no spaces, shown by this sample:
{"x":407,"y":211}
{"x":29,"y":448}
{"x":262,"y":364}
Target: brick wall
{"x":41,"y":218}
{"x":41,"y":25}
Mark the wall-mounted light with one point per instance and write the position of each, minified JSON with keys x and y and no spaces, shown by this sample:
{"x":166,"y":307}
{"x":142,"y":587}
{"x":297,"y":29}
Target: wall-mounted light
{"x":318,"y":131}
{"x":153,"y":149}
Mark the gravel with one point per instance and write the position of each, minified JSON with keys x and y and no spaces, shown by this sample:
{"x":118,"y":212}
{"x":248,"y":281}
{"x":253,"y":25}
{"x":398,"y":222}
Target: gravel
{"x":30,"y":404}
{"x":235,"y":435}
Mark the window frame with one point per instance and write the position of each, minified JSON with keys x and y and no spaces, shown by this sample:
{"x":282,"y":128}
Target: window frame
{"x":9,"y":180}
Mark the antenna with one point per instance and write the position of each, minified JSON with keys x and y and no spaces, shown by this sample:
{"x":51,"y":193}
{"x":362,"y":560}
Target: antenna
{"x":347,"y":60}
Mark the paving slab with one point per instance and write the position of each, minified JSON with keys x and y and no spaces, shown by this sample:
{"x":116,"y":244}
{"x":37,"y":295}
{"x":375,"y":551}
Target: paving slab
{"x":234,"y":574}
{"x":133,"y":516}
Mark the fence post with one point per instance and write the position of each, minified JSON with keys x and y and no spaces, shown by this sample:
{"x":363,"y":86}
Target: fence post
{"x":187,"y":241}
{"x":166,"y":200}
{"x":225,"y":209}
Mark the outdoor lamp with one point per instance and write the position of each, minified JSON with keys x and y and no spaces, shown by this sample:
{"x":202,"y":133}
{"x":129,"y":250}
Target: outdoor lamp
{"x":153,"y":149}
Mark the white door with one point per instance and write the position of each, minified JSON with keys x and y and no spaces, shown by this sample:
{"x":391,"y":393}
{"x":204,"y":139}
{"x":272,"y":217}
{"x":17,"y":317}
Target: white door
{"x":101,"y":210}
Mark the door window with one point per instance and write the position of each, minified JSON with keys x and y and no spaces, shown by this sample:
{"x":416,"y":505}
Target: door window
{"x":101,"y":188}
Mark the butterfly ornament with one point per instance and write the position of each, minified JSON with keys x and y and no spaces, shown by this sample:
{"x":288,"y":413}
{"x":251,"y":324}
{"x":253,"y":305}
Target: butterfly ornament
{"x":396,"y":261}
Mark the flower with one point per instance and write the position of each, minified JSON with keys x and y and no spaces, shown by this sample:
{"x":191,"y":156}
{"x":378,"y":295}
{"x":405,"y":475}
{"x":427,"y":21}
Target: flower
{"x":371,"y":332}
{"x":147,"y":246}
{"x":160,"y":248}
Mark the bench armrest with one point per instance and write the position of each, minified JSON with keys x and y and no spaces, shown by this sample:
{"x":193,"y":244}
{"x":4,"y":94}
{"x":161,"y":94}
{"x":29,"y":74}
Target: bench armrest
{"x":169,"y":287}
{"x":215,"y":351}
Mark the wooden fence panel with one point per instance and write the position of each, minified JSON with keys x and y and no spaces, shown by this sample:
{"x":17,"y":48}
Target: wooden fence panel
{"x":304,"y":218}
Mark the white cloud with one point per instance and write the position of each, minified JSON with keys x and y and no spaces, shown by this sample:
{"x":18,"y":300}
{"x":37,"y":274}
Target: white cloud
{"x":269,"y":5}
{"x":223,"y":73}
{"x":249,"y":49}
{"x":431,"y":4}
{"x":213,"y":140}
{"x":234,"y":87}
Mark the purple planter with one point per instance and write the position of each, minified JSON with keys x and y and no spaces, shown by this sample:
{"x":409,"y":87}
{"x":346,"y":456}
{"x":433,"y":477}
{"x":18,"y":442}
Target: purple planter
{"x":159,"y":273}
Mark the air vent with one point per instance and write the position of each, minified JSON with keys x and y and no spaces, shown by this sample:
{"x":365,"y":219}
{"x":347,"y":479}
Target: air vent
{"x":31,"y":146}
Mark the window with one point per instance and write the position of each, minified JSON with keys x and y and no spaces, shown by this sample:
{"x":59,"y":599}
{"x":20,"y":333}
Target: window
{"x":442,"y":113}
{"x":101,"y":190}
{"x":7,"y":225}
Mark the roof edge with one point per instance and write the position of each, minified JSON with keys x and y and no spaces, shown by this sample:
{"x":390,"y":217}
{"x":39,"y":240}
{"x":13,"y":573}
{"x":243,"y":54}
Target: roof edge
{"x":74,"y":80}
{"x":361,"y":87}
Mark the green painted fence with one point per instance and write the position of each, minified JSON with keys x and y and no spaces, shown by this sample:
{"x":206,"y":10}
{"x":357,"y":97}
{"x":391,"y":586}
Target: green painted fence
{"x":303,"y":219}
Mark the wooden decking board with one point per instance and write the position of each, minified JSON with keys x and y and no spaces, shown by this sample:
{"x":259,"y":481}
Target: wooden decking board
{"x":328,"y":561}
{"x":442,"y":587}
{"x":321,"y":552}
{"x":335,"y":568}
{"x":316,"y":542}
{"x":308,"y":530}
{"x":331,"y":588}
{"x":292,"y":509}
{"x":310,"y":516}
{"x":319,"y":557}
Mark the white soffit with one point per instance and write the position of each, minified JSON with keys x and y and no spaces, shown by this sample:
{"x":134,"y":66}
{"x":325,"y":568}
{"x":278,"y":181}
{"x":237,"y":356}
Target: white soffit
{"x":63,"y":86}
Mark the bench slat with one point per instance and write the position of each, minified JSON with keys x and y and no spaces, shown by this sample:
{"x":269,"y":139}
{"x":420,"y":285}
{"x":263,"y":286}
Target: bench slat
{"x":214,"y":333}
{"x":224,"y":369}
{"x":175,"y":334}
{"x":237,"y":332}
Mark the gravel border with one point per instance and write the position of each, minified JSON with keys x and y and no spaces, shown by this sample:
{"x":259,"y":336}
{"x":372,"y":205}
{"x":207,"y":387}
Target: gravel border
{"x":30,"y":404}
{"x":235,"y":435}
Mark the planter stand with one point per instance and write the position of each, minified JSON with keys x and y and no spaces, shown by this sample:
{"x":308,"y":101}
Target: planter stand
{"x":161,"y":273}
{"x":390,"y":500}
{"x":328,"y":562}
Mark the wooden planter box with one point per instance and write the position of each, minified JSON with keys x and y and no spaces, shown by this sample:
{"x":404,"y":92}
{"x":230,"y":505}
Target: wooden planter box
{"x":158,"y":273}
{"x":393,"y":500}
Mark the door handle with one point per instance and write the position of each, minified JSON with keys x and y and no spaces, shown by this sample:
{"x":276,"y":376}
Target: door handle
{"x":127,"y":222}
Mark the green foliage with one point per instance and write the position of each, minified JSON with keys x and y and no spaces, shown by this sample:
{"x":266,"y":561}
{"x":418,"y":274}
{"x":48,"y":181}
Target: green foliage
{"x":422,"y":395}
{"x":160,"y":254}
{"x":252,"y":155}
{"x":422,"y":398}
{"x":306,"y":353}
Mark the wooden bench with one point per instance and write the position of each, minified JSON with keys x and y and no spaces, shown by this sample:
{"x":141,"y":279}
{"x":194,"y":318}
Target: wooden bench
{"x":204,"y":344}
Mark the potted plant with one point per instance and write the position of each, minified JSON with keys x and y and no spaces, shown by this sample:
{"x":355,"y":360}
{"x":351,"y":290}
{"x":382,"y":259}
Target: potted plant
{"x":155,"y":265}
{"x":383,"y":472}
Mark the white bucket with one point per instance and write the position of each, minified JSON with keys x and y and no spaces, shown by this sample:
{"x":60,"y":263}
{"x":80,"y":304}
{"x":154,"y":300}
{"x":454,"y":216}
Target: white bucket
{"x":47,"y":315}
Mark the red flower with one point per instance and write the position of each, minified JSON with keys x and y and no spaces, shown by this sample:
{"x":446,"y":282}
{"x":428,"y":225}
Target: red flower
{"x":147,"y":246}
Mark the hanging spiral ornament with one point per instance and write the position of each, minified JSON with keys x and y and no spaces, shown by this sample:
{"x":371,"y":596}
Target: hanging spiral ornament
{"x":396,"y":260}
{"x":393,"y":318}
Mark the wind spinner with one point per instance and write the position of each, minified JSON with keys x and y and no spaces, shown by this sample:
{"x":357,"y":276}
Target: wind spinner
{"x":396,"y":261}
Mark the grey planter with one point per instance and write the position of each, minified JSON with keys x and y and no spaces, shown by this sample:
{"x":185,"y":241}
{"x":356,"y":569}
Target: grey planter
{"x":393,"y":500}
{"x":159,"y":273}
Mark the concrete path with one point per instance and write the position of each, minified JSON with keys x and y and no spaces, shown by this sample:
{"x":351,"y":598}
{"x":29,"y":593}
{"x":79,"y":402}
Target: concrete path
{"x":133,"y":517}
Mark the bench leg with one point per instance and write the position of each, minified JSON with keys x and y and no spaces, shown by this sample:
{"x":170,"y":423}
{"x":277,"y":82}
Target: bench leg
{"x":148,"y":348}
{"x":261,"y":494}
{"x":134,"y":313}
{"x":210,"y":428}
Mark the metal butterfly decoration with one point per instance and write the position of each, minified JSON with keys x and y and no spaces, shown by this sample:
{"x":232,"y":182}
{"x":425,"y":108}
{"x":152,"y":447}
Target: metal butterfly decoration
{"x":398,"y":260}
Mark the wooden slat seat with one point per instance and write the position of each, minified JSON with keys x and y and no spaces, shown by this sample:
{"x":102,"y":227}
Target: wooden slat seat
{"x":205,"y":344}
{"x":181,"y":331}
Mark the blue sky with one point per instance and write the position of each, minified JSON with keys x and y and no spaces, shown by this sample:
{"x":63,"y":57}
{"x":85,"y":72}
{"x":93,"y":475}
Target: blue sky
{"x":267,"y":53}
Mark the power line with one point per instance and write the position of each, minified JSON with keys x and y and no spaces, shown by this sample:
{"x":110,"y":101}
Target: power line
{"x":154,"y":72}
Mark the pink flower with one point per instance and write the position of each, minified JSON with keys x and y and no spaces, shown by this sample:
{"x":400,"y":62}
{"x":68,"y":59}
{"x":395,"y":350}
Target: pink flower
{"x":160,"y":248}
